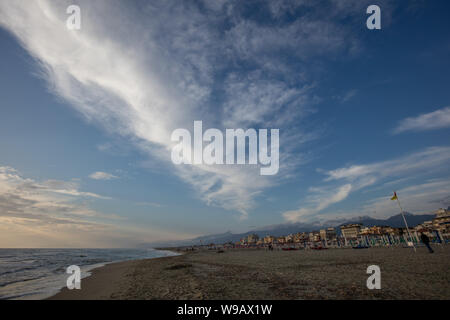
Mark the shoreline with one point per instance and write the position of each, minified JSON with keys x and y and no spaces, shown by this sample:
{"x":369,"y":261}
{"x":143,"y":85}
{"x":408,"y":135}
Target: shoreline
{"x":240,"y":274}
{"x":93,"y":269}
{"x":102,"y":282}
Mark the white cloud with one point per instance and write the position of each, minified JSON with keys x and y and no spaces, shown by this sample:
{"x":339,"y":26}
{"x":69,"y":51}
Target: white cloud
{"x":347,"y":96}
{"x":357,"y":177}
{"x":432,"y":159}
{"x":318,"y":202}
{"x":418,"y":199}
{"x":53,"y":200}
{"x":99,"y":175}
{"x":438,"y":119}
{"x":143,"y":73}
{"x":55,"y":213}
{"x":253,"y":101}
{"x":150,"y":204}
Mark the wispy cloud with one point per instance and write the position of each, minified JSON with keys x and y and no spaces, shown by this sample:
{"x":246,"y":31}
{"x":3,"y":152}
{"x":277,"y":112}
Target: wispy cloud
{"x":418,"y":199}
{"x":150,"y":204}
{"x":320,"y":200}
{"x":433,"y":159}
{"x":55,"y":213}
{"x":348,"y":96}
{"x":136,"y":75}
{"x":358,"y":177}
{"x":99,"y":175}
{"x":47,"y":211}
{"x":438,"y":119}
{"x":53,"y":200}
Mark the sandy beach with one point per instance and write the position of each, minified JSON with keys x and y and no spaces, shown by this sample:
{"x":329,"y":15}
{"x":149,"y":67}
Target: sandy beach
{"x":260,"y":274}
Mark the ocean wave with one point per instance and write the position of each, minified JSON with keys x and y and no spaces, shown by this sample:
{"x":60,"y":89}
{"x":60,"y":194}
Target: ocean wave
{"x":39,"y":273}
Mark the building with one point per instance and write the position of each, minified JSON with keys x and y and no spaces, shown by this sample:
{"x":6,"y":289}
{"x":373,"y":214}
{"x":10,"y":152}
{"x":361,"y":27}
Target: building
{"x":301,"y":237}
{"x":374,"y":230}
{"x":442,"y":217}
{"x":252,"y":238}
{"x":328,"y":234}
{"x":314,"y":236}
{"x":269,"y":239}
{"x":426,"y":226}
{"x":289,"y":238}
{"x":350,"y":231}
{"x":281,"y":240}
{"x":441,"y":222}
{"x":392,"y":231}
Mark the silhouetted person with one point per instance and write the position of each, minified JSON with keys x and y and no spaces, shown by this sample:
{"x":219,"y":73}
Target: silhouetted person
{"x":426,"y":241}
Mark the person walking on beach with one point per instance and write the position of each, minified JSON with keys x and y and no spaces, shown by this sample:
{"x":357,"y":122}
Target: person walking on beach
{"x":426,"y":241}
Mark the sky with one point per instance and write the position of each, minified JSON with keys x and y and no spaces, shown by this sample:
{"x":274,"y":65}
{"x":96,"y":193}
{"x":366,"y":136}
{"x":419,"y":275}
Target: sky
{"x":86,"y":116}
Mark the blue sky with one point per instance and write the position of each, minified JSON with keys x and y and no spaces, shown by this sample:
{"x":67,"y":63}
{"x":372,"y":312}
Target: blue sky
{"x":86,"y":115}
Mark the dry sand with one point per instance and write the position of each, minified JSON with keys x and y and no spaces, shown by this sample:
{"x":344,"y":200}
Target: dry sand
{"x":261,"y":274}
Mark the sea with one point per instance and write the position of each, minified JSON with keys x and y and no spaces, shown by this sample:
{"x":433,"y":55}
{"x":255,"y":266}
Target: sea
{"x":33,"y":274}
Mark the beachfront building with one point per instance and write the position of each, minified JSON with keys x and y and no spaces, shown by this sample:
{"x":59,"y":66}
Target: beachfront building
{"x":305,"y":236}
{"x":301,"y":237}
{"x":365,"y":231}
{"x":426,"y":225}
{"x":350,"y":232}
{"x":252,"y":238}
{"x":289,"y":238}
{"x":438,"y":227}
{"x":392,"y":231}
{"x":314,"y":236}
{"x":281,"y":240}
{"x":328,"y":234}
{"x":269,"y":239}
{"x":374,"y":230}
{"x":442,"y":217}
{"x":442,"y":223}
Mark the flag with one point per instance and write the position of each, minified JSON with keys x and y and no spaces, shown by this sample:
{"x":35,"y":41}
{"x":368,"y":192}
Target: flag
{"x":395,"y":196}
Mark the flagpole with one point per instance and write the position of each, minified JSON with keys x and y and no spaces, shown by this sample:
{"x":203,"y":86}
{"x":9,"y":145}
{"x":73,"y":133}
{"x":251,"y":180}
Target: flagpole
{"x":406,"y":224}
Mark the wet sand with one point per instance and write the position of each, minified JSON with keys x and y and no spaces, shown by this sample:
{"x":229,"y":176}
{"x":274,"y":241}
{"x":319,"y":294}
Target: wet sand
{"x":260,"y":274}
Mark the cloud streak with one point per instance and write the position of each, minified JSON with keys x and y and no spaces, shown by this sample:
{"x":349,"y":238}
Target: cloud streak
{"x":51,"y":200}
{"x":418,"y":199}
{"x":438,"y":119}
{"x":341,"y":182}
{"x":99,"y":175}
{"x":56,"y":213}
{"x":318,"y":202}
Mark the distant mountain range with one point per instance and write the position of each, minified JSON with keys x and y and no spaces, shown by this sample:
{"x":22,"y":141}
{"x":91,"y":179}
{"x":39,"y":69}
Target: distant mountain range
{"x":289,"y":228}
